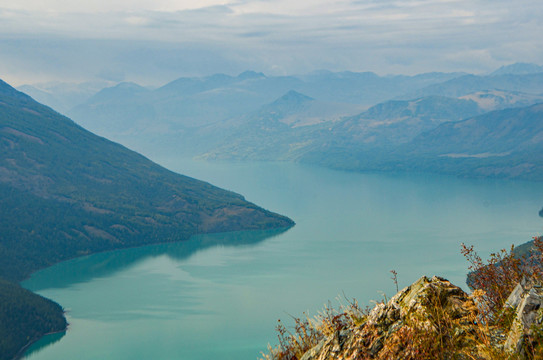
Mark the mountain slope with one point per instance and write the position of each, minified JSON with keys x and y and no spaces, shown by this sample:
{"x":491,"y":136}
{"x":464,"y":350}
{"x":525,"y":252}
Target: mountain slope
{"x":283,"y":130}
{"x":63,"y":96}
{"x":503,"y":143}
{"x":464,"y":85}
{"x":94,"y":195}
{"x":504,"y":131}
{"x":277,"y":131}
{"x":24,"y":318}
{"x":489,"y":100}
{"x":518,"y":68}
{"x":163,"y":120}
{"x":396,"y":122}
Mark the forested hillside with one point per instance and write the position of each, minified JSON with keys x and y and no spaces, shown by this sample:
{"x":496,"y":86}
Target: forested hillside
{"x":25,"y":317}
{"x":65,"y":192}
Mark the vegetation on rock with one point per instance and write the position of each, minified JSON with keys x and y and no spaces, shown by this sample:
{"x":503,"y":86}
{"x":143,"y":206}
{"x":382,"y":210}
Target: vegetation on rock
{"x":433,"y":319}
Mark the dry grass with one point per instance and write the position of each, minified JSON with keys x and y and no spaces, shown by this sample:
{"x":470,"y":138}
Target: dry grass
{"x":295,"y":341}
{"x":435,"y":334}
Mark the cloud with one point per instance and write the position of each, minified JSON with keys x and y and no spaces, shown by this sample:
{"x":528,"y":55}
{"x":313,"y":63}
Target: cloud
{"x":106,"y":6}
{"x":196,"y":37}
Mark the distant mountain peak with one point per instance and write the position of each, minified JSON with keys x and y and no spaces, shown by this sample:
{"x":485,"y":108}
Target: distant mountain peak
{"x":251,"y":75}
{"x":125,"y":89}
{"x":128,"y":85}
{"x":294,"y":96}
{"x":290,"y":100}
{"x":518,"y":69}
{"x":219,"y":76}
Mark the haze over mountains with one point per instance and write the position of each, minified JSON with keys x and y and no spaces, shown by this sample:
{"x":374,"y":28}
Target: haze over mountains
{"x":94,"y":195}
{"x":347,"y":120}
{"x":187,"y":103}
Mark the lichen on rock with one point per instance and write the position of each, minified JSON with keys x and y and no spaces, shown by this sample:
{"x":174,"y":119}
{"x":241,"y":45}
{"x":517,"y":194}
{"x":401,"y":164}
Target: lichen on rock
{"x":427,"y":318}
{"x":526,"y":301}
{"x":431,"y":319}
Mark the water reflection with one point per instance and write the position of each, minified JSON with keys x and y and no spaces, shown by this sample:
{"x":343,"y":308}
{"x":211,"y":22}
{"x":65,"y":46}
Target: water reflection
{"x":44,"y":342}
{"x":87,"y":268}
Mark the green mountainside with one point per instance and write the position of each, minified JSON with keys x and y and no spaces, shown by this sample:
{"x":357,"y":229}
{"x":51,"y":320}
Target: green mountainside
{"x":24,"y":318}
{"x":93,"y":195}
{"x":505,"y":143}
{"x":65,"y":192}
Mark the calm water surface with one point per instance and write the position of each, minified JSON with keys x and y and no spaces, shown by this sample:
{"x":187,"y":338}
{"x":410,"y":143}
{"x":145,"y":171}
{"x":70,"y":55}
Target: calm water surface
{"x":219,"y":296}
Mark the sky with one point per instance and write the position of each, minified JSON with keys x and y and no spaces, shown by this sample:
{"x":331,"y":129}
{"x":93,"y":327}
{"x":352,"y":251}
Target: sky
{"x":152,"y":42}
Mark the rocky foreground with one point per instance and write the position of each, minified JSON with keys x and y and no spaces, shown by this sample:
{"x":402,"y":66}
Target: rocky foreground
{"x":430,"y":319}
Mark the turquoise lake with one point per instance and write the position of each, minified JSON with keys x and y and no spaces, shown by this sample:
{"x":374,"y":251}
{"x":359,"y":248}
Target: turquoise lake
{"x":219,"y":296}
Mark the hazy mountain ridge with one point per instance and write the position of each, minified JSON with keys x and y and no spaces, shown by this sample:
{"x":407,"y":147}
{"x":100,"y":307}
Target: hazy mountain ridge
{"x":518,"y":68}
{"x":396,"y":122}
{"x":188,"y":103}
{"x":465,"y":85}
{"x":271,"y":133}
{"x":431,"y":133}
{"x":297,"y":118}
{"x":63,"y":96}
{"x":501,"y":131}
{"x":503,"y":143}
{"x":382,"y":126}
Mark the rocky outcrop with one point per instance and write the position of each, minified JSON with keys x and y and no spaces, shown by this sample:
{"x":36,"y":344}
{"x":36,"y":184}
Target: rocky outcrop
{"x":429,"y":319}
{"x":525,"y":302}
{"x":434,"y":319}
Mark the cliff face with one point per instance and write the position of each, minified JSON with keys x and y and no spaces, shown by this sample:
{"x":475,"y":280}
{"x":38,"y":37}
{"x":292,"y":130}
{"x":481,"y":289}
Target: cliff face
{"x":525,"y":333}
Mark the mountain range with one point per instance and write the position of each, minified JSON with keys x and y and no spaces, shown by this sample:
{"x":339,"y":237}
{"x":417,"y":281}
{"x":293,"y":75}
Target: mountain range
{"x":341,"y":119}
{"x":503,"y":143}
{"x":146,"y":119}
{"x":66,"y":192}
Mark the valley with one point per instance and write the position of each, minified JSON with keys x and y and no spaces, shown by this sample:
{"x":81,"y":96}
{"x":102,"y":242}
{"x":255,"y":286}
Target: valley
{"x":94,"y":195}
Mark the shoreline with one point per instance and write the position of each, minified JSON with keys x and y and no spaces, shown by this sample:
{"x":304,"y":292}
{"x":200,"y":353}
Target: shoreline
{"x":22,"y":351}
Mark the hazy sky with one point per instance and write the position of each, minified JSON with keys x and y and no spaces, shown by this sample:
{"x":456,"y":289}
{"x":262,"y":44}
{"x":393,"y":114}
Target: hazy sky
{"x":154,"y":41}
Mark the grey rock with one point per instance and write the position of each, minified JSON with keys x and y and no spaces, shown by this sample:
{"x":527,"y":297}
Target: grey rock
{"x":526,"y":300}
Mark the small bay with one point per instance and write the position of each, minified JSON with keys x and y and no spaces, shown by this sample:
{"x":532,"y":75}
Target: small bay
{"x":219,"y":296}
